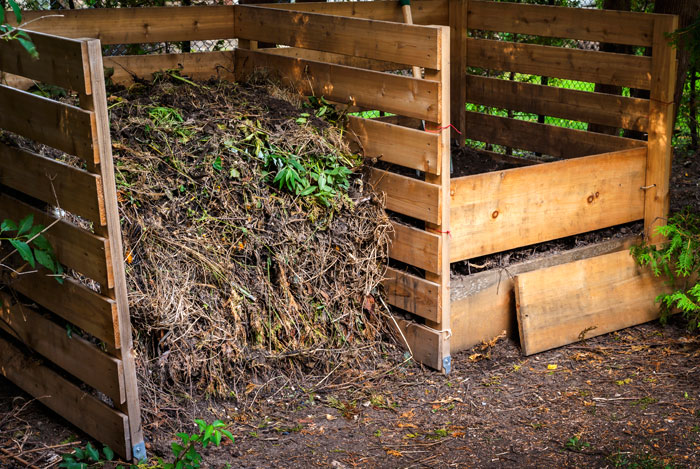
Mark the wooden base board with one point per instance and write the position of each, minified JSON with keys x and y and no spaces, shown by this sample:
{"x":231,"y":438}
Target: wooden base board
{"x":483,"y":304}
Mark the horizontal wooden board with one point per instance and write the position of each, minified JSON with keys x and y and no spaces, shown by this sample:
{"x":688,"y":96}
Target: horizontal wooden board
{"x":395,"y":144}
{"x":422,"y":11}
{"x":332,"y":58}
{"x":587,"y":24}
{"x":598,"y":108}
{"x":483,"y":304}
{"x":408,"y":196}
{"x":62,"y":126}
{"x":503,"y":210}
{"x":60,"y":61}
{"x":560,"y":62}
{"x":138,"y":25}
{"x":71,"y":353}
{"x":197,"y":65}
{"x":548,"y":139}
{"x":413,"y":294}
{"x":416,"y":247}
{"x":425,"y":343}
{"x":563,"y":304}
{"x":105,"y":424}
{"x":53,"y":182}
{"x":74,"y":247}
{"x":354,"y":86}
{"x":369,"y":39}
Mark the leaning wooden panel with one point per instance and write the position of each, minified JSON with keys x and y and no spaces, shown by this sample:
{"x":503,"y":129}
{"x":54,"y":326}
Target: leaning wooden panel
{"x":373,"y":90}
{"x":503,"y":210}
{"x":552,"y":311}
{"x":139,"y":25}
{"x":408,"y":196}
{"x":560,"y":62}
{"x":65,"y":398}
{"x":53,"y":182}
{"x":483,"y":304}
{"x":74,"y":247}
{"x":617,"y":27}
{"x":416,"y":247}
{"x":199,"y":66}
{"x":584,"y":106}
{"x":60,"y":62}
{"x":71,"y":353}
{"x":395,"y":144}
{"x":548,"y":139}
{"x":370,"y":39}
{"x":58,"y":125}
{"x":413,"y":294}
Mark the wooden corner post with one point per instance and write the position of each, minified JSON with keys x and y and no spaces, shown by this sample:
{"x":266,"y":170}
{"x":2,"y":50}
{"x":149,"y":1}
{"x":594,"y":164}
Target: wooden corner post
{"x":658,"y":168}
{"x":443,"y":179}
{"x":458,"y":13}
{"x":97,"y":103}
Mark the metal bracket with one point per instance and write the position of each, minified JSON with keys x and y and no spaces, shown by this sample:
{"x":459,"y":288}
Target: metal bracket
{"x":447,"y":364}
{"x":138,"y":451}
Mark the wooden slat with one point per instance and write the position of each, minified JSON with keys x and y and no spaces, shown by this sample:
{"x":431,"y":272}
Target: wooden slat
{"x":598,"y":108}
{"x":138,"y":25}
{"x":78,"y":407}
{"x":372,"y":90}
{"x":332,"y":58}
{"x":74,"y":247}
{"x":503,"y":210}
{"x":60,"y":61}
{"x":395,"y":144}
{"x":483,"y":304}
{"x":617,"y":27}
{"x":198,"y":66}
{"x":369,"y":39}
{"x":53,"y":182}
{"x":44,"y":336}
{"x":458,"y":14}
{"x":560,"y":62}
{"x":548,"y":139}
{"x":408,"y":196}
{"x":425,"y":343}
{"x":559,"y":305}
{"x":423,"y":11}
{"x":58,"y":125}
{"x":416,"y":247}
{"x":413,"y":294}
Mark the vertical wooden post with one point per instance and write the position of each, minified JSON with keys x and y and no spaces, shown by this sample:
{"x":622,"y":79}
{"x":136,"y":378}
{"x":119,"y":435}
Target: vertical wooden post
{"x":97,"y":102}
{"x":658,"y":169}
{"x":443,"y":228}
{"x":458,"y":13}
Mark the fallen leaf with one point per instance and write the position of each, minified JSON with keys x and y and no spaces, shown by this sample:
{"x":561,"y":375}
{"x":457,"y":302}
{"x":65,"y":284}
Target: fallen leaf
{"x":552,"y":367}
{"x":330,"y":417}
{"x":393,"y":452}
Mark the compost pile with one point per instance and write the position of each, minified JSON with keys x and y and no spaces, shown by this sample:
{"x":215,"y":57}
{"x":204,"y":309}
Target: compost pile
{"x":253,"y":247}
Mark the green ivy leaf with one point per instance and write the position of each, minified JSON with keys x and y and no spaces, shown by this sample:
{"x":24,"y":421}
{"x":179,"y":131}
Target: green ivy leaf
{"x":45,"y":259}
{"x":109,"y":454}
{"x":7,"y":224}
{"x":16,"y":10}
{"x":217,"y":164}
{"x":24,"y":250}
{"x":92,"y":452}
{"x":25,"y":225}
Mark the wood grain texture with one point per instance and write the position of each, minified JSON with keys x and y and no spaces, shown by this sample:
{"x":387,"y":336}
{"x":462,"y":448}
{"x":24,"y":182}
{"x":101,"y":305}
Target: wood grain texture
{"x":396,"y":144}
{"x":483,"y":304}
{"x":547,"y":139}
{"x":416,"y":247}
{"x":413,"y":294}
{"x":357,"y":87}
{"x":72,"y":354}
{"x":63,"y":397}
{"x":458,"y":15}
{"x":562,"y":304}
{"x":503,"y":210}
{"x":198,"y":66}
{"x":332,"y":58}
{"x":560,"y":62}
{"x":55,"y":124}
{"x":60,"y":62}
{"x":53,"y":182}
{"x":408,"y":196}
{"x":617,"y":27}
{"x":584,"y":106}
{"x":369,"y":39}
{"x":425,"y":343}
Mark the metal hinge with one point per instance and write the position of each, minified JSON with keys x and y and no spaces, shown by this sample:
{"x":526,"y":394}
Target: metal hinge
{"x":447,"y":364}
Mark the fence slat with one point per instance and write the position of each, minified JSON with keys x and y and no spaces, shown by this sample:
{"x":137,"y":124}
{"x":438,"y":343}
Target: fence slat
{"x":416,"y":247}
{"x":370,"y":39}
{"x":560,"y":62}
{"x":408,"y":196}
{"x":413,"y":294}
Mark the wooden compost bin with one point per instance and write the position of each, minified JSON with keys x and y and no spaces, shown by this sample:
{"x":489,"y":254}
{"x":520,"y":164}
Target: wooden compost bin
{"x":342,"y":51}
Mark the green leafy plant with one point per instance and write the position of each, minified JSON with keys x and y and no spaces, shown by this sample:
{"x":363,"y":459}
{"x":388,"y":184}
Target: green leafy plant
{"x":83,"y":458}
{"x":679,"y":261}
{"x":27,"y":239}
{"x":11,"y":33}
{"x":576,"y":444}
{"x":186,"y":451}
